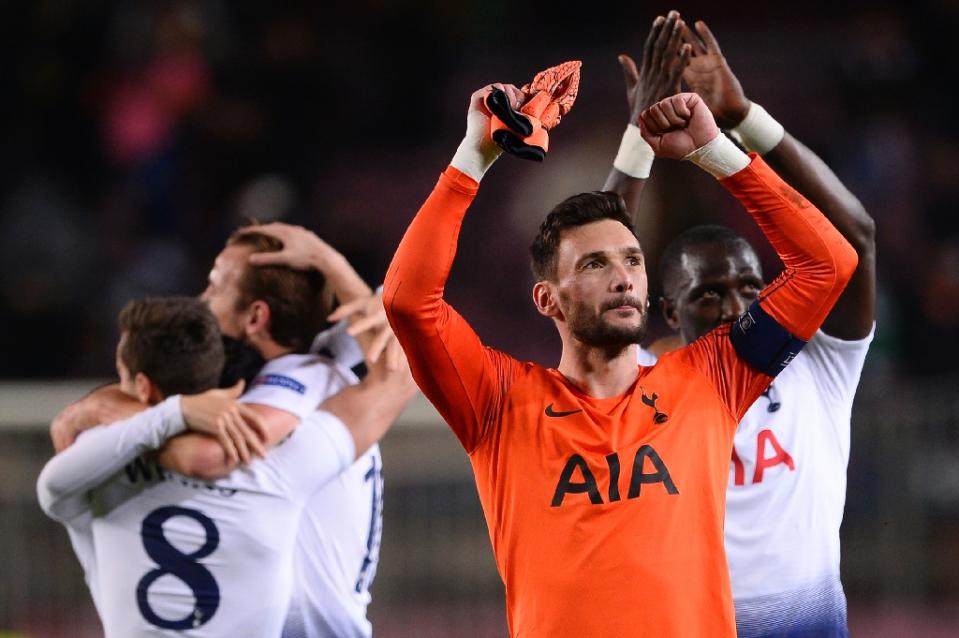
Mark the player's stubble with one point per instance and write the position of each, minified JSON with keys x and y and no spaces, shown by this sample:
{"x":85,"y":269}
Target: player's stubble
{"x":591,"y":327}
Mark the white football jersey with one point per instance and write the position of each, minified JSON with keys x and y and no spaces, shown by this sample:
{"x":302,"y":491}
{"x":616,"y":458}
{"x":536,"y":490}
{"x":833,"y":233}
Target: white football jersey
{"x":786,"y":493}
{"x":179,"y":556}
{"x":338,"y":344}
{"x":80,"y":531}
{"x":337,"y":547}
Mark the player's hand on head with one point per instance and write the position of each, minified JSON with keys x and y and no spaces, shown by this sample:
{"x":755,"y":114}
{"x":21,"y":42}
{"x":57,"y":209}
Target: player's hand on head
{"x":678,"y":125}
{"x":302,"y":248}
{"x":217,"y":413}
{"x":709,"y":75}
{"x":659,"y":75}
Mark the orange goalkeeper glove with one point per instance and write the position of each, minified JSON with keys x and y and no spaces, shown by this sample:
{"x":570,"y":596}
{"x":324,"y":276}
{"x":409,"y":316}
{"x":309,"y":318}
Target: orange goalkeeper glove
{"x":550,"y":96}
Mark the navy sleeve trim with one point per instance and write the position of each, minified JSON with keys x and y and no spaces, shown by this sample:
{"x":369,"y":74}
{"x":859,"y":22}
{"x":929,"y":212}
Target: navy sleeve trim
{"x":761,"y":342}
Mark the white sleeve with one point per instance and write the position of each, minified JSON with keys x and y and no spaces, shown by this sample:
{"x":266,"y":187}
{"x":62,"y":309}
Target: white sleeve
{"x":319,"y":449}
{"x":100,"y":452}
{"x":838,"y":364}
{"x":80,"y":530}
{"x":299,"y":391}
{"x":341,"y":347}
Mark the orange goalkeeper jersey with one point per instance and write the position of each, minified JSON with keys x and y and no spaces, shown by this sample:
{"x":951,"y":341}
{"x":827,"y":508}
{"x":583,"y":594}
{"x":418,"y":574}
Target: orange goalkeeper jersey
{"x":605,"y":515}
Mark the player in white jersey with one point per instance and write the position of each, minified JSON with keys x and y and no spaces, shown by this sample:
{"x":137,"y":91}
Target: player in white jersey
{"x":787,"y":479}
{"x":287,"y":389}
{"x":166,"y":553}
{"x":337,"y":546}
{"x":338,"y":542}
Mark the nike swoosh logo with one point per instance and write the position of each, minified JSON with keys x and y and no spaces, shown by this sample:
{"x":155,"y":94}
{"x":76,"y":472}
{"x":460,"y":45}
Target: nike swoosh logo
{"x":553,"y":413}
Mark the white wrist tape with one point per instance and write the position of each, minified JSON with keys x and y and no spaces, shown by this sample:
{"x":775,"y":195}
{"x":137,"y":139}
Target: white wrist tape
{"x":759,"y":131}
{"x":471,"y":160}
{"x":635,"y":156}
{"x":719,"y":157}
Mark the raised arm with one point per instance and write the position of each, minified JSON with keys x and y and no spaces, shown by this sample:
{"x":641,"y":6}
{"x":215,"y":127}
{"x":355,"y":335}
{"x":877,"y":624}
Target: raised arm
{"x":740,"y":358}
{"x":658,"y":76}
{"x":99,"y":453}
{"x":709,"y":75}
{"x":819,"y":261}
{"x":462,"y":378}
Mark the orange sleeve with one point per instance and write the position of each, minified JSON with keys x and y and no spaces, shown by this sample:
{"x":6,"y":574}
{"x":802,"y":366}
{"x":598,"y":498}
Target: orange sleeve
{"x":737,"y":383}
{"x":464,"y":379}
{"x":819,"y":261}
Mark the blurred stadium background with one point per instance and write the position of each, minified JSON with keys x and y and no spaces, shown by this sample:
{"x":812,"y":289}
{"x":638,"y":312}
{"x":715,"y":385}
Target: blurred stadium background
{"x":138,"y":133}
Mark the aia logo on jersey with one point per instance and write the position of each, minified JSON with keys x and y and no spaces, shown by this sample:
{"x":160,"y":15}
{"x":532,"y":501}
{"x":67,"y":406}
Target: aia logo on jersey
{"x":765,"y":441}
{"x":577,"y":468}
{"x":658,"y":417}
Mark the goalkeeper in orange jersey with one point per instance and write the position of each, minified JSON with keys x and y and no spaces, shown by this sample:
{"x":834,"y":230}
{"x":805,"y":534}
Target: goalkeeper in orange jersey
{"x":603,"y":482}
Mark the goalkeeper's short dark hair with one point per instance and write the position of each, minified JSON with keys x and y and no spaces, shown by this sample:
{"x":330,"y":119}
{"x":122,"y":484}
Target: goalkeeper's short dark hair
{"x":572,"y":212}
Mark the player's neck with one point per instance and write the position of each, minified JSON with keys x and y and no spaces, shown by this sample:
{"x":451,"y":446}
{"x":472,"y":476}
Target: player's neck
{"x":270,"y":350}
{"x":599,"y":372}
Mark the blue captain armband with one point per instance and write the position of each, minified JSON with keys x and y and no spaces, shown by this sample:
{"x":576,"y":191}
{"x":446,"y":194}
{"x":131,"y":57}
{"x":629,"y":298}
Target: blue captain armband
{"x":762,"y":343}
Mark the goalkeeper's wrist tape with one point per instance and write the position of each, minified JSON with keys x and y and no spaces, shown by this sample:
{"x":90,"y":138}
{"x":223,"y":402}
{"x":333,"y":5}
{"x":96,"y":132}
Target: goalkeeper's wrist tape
{"x":472,"y":161}
{"x":719,"y":157}
{"x":635,"y":156}
{"x":759,"y":131}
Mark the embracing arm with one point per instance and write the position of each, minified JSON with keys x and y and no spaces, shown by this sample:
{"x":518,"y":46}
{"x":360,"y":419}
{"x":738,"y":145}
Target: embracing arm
{"x":103,"y":405}
{"x":366,"y":410}
{"x":99,"y":453}
{"x":105,"y":449}
{"x":203,"y":457}
{"x":709,"y":75}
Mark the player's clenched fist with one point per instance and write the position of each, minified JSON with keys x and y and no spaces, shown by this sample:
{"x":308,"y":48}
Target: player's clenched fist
{"x":678,"y":125}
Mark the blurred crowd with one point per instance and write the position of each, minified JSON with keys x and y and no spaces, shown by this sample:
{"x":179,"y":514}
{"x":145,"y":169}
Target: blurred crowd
{"x":139,"y":133}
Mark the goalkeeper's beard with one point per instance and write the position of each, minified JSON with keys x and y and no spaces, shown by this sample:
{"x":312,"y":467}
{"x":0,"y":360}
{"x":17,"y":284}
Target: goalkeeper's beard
{"x":594,"y":330}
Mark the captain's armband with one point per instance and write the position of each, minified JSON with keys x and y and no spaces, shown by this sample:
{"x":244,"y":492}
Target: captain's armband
{"x":762,"y":343}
